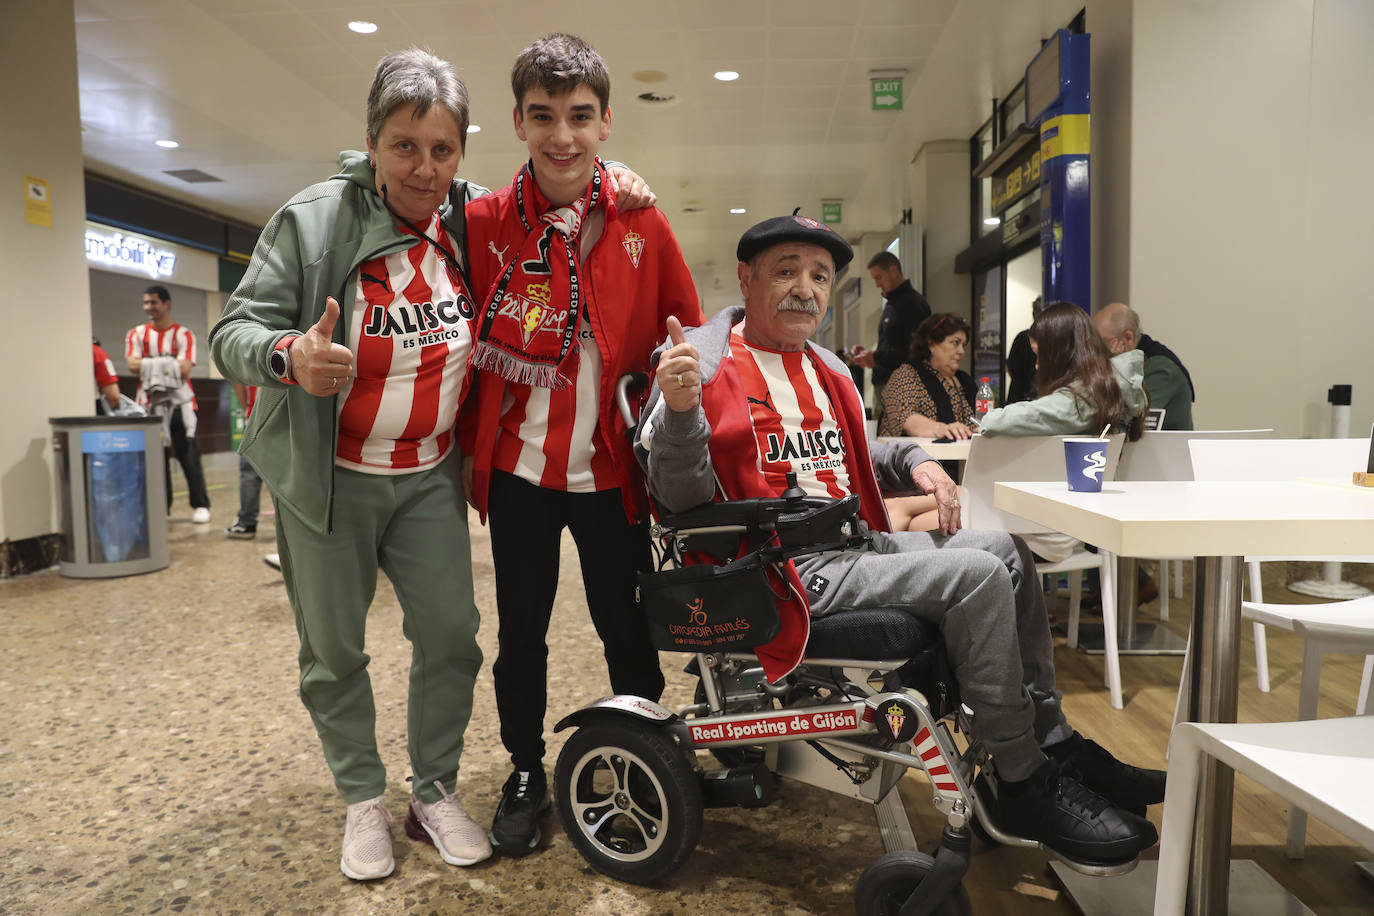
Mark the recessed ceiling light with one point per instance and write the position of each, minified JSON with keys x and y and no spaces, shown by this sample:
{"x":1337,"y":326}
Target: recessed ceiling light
{"x":726,"y":76}
{"x":474,"y":128}
{"x":168,"y":144}
{"x":362,"y":26}
{"x":993,"y":221}
{"x":738,"y":210}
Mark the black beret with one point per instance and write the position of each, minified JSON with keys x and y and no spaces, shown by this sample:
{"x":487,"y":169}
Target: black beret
{"x":780,"y":229}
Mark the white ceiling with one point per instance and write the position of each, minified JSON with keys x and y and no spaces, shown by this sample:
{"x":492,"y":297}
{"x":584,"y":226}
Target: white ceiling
{"x":264,"y":93}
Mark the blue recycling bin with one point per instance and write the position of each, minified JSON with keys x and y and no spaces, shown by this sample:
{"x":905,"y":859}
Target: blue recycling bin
{"x":112,"y":495}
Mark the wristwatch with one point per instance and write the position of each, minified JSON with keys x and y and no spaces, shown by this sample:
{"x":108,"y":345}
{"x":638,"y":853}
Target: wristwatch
{"x":279,"y":360}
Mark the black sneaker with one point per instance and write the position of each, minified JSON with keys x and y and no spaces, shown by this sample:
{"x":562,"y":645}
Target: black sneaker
{"x":241,"y":532}
{"x":515,"y":829}
{"x":1071,"y":819}
{"x":1132,"y":788}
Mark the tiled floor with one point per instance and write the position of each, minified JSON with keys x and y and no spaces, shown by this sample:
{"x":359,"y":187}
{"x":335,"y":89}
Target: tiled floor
{"x":154,"y":758}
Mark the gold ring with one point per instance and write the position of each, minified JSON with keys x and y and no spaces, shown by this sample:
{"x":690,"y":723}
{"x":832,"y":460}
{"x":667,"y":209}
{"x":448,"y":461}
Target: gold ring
{"x":333,"y":383}
{"x":680,"y":382}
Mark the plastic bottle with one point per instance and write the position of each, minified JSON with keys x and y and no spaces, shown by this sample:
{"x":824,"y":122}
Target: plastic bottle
{"x":984,"y":400}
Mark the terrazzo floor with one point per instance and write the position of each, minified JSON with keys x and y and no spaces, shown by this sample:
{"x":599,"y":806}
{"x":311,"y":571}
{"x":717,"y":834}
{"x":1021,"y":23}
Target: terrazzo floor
{"x":154,"y":758}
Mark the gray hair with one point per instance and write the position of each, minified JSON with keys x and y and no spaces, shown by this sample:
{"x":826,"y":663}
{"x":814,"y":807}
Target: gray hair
{"x":415,"y":77}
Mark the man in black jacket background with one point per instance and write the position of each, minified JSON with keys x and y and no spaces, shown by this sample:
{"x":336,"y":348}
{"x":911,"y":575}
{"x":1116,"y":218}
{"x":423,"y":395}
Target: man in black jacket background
{"x":903,"y":310}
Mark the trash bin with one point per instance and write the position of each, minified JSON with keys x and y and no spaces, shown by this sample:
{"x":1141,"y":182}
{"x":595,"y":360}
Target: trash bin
{"x":112,"y":495}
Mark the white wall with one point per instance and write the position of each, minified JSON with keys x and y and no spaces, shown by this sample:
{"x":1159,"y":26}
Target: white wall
{"x":1024,"y":284}
{"x":940,"y":202}
{"x":45,"y":302}
{"x":1249,"y":251}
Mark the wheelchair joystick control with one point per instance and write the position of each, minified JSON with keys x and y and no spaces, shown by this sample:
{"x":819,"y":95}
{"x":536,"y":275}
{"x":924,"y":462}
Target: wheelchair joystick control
{"x":793,"y":493}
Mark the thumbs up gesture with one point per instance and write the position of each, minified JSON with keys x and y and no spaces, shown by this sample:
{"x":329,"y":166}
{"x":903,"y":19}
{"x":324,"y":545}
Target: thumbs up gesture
{"x":679,"y":370}
{"x":319,"y":365}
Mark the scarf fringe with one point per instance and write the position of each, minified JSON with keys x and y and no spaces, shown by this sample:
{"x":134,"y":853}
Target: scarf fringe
{"x":513,"y":369}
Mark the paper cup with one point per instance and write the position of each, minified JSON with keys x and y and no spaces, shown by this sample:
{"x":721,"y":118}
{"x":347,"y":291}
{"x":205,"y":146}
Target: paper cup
{"x":1085,"y":460}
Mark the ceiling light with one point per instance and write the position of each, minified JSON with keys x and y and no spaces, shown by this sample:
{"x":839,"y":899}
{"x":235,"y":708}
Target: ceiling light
{"x":726,"y":76}
{"x":474,"y":128}
{"x":993,"y":221}
{"x":738,"y":210}
{"x":362,"y":26}
{"x":168,"y":144}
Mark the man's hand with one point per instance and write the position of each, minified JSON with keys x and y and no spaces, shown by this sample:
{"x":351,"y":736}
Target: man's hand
{"x":932,"y":479}
{"x":862,"y":356}
{"x":631,"y":191}
{"x":319,"y":365}
{"x":679,"y":371}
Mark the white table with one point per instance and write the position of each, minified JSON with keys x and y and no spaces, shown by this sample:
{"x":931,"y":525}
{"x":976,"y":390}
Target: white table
{"x":1219,"y":523}
{"x":940,"y":451}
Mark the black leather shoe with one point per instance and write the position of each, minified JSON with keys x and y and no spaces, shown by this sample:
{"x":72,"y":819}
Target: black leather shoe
{"x":1071,"y":819}
{"x":1132,"y":788}
{"x":515,"y":829}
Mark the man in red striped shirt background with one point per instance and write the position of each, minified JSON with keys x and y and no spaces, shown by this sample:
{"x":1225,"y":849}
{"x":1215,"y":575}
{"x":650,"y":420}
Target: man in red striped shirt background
{"x":162,"y":337}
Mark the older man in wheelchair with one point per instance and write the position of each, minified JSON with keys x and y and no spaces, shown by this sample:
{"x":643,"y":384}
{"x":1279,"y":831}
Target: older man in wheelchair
{"x":745,"y":399}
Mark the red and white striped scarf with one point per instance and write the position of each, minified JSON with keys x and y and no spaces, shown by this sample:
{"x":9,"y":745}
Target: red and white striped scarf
{"x":529,"y":324}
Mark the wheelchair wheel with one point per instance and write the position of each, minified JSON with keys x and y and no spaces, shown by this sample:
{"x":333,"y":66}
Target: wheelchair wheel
{"x":628,"y":799}
{"x":888,"y":882}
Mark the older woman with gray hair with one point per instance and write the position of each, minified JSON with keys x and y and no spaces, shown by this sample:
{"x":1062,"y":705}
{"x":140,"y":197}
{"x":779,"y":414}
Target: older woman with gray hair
{"x":355,"y":320}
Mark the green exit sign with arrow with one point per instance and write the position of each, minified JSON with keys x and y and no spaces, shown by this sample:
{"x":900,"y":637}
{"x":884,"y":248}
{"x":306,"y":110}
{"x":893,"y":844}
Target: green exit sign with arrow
{"x":887,"y":95}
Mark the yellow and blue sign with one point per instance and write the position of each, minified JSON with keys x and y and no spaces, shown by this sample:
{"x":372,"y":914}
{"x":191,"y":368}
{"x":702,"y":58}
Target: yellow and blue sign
{"x":1058,"y":102}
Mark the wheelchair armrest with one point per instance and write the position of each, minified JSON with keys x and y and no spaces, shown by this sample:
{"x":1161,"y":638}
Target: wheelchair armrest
{"x":802,"y":525}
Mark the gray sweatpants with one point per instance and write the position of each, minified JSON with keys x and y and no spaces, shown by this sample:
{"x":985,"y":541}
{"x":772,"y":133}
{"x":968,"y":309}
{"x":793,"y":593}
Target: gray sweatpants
{"x":980,"y":589}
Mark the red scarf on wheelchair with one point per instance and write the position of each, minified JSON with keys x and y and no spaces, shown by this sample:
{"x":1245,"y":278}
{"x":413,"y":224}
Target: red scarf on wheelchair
{"x":735,"y":459}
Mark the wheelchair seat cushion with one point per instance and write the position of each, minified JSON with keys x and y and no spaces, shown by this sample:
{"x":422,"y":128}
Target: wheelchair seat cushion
{"x":871,"y":634}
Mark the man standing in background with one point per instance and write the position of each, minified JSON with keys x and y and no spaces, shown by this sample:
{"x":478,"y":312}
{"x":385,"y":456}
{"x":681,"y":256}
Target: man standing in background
{"x":161,"y":353}
{"x":1166,"y":379}
{"x":903,"y":310}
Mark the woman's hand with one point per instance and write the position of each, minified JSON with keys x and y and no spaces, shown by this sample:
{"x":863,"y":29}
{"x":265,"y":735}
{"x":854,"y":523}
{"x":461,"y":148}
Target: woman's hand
{"x":631,"y":191}
{"x":679,"y":371}
{"x":319,"y":365}
{"x":953,"y":431}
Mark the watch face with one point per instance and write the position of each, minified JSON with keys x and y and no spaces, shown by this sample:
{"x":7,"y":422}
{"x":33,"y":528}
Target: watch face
{"x":277,"y":363}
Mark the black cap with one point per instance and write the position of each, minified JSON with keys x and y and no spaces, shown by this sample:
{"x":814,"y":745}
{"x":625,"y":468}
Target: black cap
{"x":794,"y":228}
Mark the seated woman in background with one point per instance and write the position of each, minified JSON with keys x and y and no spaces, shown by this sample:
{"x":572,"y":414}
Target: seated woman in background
{"x":1082,"y":388}
{"x":928,"y":396}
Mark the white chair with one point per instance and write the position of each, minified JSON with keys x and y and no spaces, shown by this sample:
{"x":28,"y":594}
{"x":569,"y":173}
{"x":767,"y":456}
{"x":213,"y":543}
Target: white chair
{"x":1322,"y":766}
{"x":1282,"y":459}
{"x":1039,"y":458}
{"x":1164,"y":455}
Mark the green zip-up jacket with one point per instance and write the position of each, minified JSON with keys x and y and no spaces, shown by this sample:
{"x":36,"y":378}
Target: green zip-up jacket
{"x":311,"y":249}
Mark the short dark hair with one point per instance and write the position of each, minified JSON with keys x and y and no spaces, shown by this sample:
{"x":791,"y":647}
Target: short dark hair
{"x":933,"y":330}
{"x":157,"y":289}
{"x":559,"y":63}
{"x":885,"y":260}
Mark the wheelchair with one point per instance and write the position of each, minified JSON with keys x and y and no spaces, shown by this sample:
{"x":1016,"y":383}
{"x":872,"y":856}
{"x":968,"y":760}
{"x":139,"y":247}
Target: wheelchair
{"x":872,"y":699}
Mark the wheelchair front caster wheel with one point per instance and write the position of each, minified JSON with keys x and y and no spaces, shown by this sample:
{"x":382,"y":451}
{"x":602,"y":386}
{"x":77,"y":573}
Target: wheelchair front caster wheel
{"x":887,"y":884}
{"x":629,"y":800}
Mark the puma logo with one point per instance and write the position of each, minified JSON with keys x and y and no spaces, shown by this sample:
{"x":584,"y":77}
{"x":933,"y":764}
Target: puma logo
{"x":500,"y":255}
{"x":766,"y":402}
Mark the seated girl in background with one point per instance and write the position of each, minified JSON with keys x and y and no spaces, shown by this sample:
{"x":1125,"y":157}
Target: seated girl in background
{"x":1082,"y":388}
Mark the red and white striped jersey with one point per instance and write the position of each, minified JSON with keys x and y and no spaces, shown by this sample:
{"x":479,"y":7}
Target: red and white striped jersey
{"x":794,"y":421}
{"x":174,"y":340}
{"x":410,"y":346}
{"x":551,"y":437}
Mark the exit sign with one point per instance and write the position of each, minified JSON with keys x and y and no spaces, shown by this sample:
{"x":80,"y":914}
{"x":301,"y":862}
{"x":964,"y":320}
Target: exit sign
{"x":887,"y":95}
{"x":830,"y":211}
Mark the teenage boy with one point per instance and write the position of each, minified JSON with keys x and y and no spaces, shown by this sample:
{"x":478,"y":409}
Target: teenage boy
{"x":577,"y":293}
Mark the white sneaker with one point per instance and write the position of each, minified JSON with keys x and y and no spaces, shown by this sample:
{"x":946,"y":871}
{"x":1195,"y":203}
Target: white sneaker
{"x":446,"y":826}
{"x":367,"y":841}
{"x":201,"y":516}
{"x":273,"y":560}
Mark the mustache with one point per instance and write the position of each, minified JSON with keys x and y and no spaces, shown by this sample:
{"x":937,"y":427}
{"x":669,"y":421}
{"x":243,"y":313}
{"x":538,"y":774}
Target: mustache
{"x":793,"y":304}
